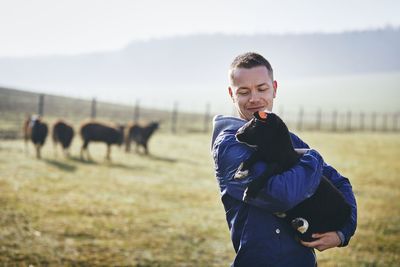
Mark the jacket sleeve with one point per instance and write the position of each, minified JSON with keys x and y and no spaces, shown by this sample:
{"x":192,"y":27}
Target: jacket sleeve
{"x":344,"y":186}
{"x":282,"y":191}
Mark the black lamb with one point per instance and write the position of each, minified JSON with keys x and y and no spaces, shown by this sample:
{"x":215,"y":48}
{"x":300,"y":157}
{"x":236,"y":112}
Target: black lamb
{"x":63,"y":133}
{"x":326,"y":210}
{"x":100,"y":132}
{"x":140,"y":135}
{"x":36,"y":130}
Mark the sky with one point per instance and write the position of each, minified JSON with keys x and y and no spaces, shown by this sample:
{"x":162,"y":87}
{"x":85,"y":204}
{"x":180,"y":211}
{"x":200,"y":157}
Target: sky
{"x":49,"y":27}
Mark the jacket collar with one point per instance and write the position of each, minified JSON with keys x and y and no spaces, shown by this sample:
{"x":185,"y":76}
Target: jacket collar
{"x":223,"y":123}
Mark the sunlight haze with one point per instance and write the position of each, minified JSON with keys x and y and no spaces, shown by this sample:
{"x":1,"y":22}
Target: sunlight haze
{"x":46,"y":27}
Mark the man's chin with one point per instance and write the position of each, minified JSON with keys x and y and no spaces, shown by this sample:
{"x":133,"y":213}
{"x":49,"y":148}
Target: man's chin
{"x":251,"y":111}
{"x":248,"y":116}
{"x":265,"y":109}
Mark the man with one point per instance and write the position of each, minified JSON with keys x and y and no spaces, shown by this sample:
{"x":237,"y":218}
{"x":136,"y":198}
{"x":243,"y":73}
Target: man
{"x":259,"y":237}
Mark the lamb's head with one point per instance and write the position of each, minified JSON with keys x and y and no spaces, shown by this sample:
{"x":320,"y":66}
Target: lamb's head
{"x":268,"y":133}
{"x":260,"y":129}
{"x":154,"y":126}
{"x":34,"y":120}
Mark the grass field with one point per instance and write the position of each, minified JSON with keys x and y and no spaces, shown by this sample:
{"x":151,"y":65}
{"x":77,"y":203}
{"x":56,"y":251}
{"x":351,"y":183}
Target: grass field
{"x":164,"y":209}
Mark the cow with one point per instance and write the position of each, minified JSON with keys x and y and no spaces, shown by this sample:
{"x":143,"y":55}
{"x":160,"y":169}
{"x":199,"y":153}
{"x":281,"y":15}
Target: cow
{"x":36,"y":130}
{"x":326,"y":210}
{"x":140,"y":135}
{"x":63,"y":133}
{"x":100,"y":132}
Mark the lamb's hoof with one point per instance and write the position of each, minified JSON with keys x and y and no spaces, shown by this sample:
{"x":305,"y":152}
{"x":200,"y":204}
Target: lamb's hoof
{"x":300,"y":224}
{"x":241,"y":174}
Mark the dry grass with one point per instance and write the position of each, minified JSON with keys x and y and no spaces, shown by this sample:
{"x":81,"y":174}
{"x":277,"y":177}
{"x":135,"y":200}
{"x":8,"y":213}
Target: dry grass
{"x":164,"y":210}
{"x":371,"y":163}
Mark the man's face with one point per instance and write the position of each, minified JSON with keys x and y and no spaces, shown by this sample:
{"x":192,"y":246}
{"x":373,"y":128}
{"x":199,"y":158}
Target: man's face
{"x":252,"y":90}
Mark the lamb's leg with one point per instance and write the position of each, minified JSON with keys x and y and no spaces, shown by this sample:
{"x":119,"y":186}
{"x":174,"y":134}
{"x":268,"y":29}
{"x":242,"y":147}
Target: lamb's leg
{"x":244,"y":167}
{"x":55,"y":148}
{"x":38,"y":151}
{"x":137,"y":148}
{"x":81,"y":154}
{"x":84,"y":148}
{"x":108,"y":152}
{"x":55,"y":151}
{"x":89,"y":157}
{"x":66,"y":152}
{"x":128,"y":144}
{"x":26,"y":146}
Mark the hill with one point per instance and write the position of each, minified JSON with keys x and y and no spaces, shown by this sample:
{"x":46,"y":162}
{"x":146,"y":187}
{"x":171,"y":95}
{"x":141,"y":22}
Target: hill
{"x":193,"y":69}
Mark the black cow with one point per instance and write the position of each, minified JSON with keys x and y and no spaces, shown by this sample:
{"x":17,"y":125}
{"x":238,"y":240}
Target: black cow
{"x":36,"y":130}
{"x":63,"y":133}
{"x":98,"y":132}
{"x":325,"y":211}
{"x":140,"y":135}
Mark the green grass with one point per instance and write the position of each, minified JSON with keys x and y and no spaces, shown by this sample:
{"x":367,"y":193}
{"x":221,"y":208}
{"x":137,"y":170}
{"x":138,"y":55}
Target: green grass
{"x":165,"y":210}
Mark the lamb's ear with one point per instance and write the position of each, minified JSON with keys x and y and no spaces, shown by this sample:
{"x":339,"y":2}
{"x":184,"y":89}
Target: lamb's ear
{"x":260,"y":115}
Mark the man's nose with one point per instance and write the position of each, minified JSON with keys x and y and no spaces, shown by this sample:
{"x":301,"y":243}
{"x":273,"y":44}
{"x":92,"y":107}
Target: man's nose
{"x":253,"y":97}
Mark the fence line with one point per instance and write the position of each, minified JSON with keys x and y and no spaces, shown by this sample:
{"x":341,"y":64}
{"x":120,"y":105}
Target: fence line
{"x":346,"y":121}
{"x":179,"y":121}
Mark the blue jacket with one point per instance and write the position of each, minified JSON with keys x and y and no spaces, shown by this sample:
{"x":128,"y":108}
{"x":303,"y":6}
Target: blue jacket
{"x":259,"y":237}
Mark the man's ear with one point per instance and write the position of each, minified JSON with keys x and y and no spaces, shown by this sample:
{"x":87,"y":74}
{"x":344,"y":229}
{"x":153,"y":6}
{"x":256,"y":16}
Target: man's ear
{"x":231,"y":93}
{"x":275,"y":85}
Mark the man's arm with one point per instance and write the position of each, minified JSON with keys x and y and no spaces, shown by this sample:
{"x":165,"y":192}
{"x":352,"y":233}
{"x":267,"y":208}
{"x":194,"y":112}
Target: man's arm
{"x":282,"y":191}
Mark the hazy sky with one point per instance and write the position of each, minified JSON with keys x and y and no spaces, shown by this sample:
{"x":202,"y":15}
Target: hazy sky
{"x":41,"y":27}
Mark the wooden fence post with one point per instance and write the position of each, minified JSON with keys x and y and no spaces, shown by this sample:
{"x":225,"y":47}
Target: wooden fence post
{"x":362,"y":118}
{"x":348,"y":121}
{"x":319,"y":119}
{"x":41,"y":105}
{"x":174,"y":118}
{"x":300,"y":119}
{"x":93,"y":110}
{"x":373,"y":121}
{"x":136,"y":112}
{"x":395,"y":121}
{"x":334,"y":120}
{"x":207,"y":118}
{"x":384,"y":122}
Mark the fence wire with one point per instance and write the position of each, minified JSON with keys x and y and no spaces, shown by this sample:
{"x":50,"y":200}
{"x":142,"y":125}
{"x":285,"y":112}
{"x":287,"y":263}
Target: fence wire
{"x":16,"y":105}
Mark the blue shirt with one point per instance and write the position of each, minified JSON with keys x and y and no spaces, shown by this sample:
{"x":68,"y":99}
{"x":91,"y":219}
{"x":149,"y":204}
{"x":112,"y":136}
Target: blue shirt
{"x":259,"y":237}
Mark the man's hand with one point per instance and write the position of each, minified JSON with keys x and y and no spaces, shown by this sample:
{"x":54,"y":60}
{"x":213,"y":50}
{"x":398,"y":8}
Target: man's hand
{"x":324,"y":241}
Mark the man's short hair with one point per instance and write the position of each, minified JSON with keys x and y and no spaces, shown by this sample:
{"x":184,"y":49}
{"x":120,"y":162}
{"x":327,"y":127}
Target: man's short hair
{"x":250,"y":60}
